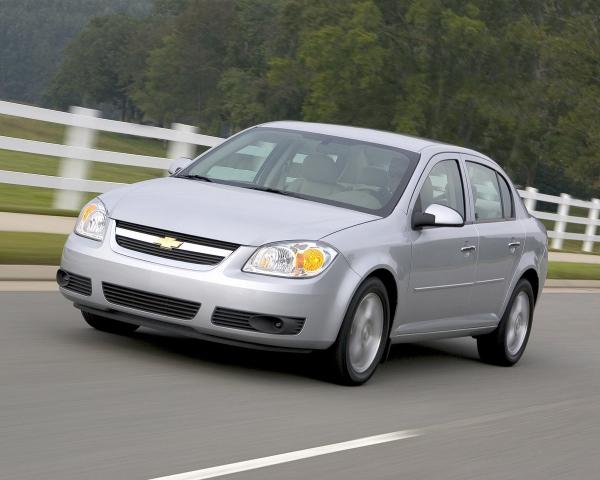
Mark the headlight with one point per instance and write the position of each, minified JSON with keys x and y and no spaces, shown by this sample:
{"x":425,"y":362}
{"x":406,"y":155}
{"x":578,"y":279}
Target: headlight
{"x":92,"y":220}
{"x":291,"y":259}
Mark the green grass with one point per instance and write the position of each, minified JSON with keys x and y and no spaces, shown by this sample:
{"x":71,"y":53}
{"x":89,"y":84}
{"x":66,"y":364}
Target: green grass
{"x":20,"y":199}
{"x":574,"y":271}
{"x":15,"y":198}
{"x":30,"y":248}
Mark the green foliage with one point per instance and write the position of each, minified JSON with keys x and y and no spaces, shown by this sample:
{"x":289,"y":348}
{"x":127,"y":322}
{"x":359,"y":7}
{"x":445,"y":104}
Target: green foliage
{"x":516,"y":79}
{"x":344,"y":64}
{"x":183,"y":72}
{"x":33,"y":34}
{"x":106,"y":79}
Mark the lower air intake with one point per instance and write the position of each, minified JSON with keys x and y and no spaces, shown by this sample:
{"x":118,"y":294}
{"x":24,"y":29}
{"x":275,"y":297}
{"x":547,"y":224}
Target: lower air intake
{"x":150,"y":302}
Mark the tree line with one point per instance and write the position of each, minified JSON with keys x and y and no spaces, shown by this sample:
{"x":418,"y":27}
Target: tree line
{"x":516,"y":79}
{"x":33,"y":34}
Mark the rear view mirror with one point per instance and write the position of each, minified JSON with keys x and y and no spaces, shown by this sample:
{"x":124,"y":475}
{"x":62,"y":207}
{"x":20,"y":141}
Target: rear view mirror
{"x":436,"y":215}
{"x":179,"y":165}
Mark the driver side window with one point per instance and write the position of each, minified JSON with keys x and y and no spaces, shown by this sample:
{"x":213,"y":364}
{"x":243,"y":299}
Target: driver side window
{"x":443,"y":186}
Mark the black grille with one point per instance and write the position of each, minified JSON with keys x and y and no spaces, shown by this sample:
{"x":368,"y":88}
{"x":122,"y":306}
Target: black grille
{"x":150,"y":302}
{"x":76,"y":283}
{"x":227,"y":317}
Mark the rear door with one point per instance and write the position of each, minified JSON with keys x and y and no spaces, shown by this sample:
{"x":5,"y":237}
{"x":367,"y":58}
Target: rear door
{"x":501,"y":236}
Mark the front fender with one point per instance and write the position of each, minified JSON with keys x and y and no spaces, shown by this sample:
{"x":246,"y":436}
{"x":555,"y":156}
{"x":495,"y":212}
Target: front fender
{"x":378,"y":245}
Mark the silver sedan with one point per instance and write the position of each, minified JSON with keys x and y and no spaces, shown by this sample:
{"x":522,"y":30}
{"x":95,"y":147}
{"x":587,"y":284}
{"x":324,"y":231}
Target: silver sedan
{"x":310,"y":237}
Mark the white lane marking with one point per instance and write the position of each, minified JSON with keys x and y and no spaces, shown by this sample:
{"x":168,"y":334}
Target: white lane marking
{"x":291,"y":456}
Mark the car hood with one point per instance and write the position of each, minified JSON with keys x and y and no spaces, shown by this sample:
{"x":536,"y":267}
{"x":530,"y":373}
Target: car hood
{"x":226,"y":212}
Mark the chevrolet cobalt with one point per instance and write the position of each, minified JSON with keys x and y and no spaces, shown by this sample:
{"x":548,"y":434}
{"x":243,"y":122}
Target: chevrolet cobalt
{"x":311,"y":237}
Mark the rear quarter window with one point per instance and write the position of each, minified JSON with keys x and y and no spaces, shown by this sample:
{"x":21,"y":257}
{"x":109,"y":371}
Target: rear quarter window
{"x":508,"y":206}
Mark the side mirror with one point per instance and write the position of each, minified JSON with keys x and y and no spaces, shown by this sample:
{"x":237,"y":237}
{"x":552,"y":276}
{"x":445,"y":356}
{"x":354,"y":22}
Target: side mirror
{"x":179,"y":165}
{"x":437,"y":216}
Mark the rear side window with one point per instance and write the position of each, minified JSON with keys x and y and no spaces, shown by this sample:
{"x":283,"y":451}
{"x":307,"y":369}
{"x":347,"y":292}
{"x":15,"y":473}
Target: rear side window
{"x":508,"y":208}
{"x":486,"y":192}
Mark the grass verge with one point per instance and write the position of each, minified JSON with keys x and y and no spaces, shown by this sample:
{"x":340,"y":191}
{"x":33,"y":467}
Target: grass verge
{"x":18,"y":248}
{"x":574,"y":271}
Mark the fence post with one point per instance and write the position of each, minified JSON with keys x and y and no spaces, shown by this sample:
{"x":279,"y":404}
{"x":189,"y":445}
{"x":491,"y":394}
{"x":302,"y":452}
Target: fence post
{"x":531,"y":202}
{"x":179,"y":149}
{"x":83,"y":135}
{"x":561,"y":224}
{"x":590,"y":229}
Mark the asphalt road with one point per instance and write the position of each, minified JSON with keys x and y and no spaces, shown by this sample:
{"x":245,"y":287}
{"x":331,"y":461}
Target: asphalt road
{"x":79,"y":404}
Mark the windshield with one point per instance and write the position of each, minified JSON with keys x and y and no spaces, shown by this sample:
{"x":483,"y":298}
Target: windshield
{"x":333,"y":170}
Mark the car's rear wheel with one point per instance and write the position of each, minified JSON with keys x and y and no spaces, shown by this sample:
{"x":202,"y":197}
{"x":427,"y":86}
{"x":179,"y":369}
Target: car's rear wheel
{"x":505,"y":345}
{"x":108,"y":325}
{"x":362,"y":338}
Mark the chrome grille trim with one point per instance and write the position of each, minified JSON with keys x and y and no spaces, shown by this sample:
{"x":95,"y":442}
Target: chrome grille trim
{"x":190,"y":249}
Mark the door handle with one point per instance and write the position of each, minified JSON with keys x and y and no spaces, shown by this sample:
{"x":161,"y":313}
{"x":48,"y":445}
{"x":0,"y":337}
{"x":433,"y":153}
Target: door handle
{"x":468,"y":248}
{"x":514,"y":244}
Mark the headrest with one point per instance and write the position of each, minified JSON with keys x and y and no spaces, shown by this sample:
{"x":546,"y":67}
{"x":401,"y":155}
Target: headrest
{"x":373,"y":176}
{"x":398,"y":167}
{"x":320,"y":168}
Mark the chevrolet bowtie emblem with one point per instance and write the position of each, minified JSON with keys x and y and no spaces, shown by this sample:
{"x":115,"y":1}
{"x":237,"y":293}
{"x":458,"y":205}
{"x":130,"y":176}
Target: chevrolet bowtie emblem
{"x":168,"y":243}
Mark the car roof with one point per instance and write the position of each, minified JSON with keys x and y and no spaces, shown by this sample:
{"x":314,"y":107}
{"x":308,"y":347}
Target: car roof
{"x":406,"y":142}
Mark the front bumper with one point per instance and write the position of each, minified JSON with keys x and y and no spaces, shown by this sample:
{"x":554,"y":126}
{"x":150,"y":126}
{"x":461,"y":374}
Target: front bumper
{"x":322,"y":300}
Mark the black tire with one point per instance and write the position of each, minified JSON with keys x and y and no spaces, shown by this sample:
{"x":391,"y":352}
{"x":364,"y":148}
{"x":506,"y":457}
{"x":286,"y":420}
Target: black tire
{"x":493,"y":348}
{"x":338,"y":355}
{"x":108,"y":325}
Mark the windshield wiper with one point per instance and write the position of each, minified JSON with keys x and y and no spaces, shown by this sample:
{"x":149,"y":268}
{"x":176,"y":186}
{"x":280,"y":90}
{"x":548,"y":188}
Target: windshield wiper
{"x":193,"y":176}
{"x":269,"y":189}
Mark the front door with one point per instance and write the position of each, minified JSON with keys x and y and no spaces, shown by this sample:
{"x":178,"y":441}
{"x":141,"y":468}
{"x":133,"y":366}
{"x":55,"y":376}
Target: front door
{"x":443,"y":258}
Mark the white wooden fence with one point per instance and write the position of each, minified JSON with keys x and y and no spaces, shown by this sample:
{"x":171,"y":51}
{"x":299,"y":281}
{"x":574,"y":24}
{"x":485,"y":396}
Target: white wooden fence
{"x":561,"y":218}
{"x":78,"y":150}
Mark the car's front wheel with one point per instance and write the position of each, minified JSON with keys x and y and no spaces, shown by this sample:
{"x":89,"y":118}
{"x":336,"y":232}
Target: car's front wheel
{"x":363,"y":335}
{"x":505,"y":345}
{"x":108,"y":325}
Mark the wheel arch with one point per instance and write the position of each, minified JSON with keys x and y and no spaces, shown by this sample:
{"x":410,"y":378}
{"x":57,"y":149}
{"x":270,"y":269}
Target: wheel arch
{"x":533,"y":278}
{"x":391,"y":286}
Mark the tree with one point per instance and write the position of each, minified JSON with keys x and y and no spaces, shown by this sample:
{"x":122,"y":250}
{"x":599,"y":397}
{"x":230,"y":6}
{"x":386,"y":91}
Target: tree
{"x":516,"y":79}
{"x":96,"y":66}
{"x":33,"y":36}
{"x":182,"y":75}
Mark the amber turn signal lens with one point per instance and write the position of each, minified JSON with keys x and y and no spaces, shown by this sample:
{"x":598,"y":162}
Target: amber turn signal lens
{"x":313,"y":259}
{"x":87,"y":211}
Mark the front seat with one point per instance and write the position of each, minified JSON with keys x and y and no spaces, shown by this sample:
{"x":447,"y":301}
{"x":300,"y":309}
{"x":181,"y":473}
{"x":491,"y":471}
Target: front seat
{"x":426,"y":196}
{"x":376,"y":181}
{"x":319,"y":177}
